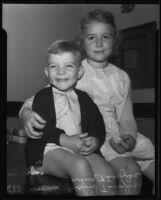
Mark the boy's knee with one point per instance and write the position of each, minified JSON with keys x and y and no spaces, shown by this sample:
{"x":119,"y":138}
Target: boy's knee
{"x":108,"y":170}
{"x":106,"y":174}
{"x":81,"y":165}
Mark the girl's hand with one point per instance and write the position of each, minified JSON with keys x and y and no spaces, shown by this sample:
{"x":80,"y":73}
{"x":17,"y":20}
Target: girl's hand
{"x":117,"y":146}
{"x":126,"y":144}
{"x":128,"y":141}
{"x":91,"y":144}
{"x":30,"y":121}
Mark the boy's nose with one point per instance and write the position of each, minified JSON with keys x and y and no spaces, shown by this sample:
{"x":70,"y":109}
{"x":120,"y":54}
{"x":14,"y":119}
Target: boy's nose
{"x":60,"y":71}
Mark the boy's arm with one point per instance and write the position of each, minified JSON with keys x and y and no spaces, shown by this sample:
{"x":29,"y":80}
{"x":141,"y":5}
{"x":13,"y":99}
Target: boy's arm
{"x":73,"y":142}
{"x":96,"y":126}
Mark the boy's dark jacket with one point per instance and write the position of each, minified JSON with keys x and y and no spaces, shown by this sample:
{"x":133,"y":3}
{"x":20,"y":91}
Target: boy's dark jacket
{"x":43,"y":104}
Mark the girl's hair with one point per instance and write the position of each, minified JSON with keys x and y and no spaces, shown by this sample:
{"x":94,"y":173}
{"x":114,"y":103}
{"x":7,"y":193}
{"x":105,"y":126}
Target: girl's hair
{"x":98,"y":15}
{"x":102,"y":16}
{"x":65,"y":46}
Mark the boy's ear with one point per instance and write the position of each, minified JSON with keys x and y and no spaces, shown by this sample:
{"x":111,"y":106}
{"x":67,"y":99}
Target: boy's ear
{"x":46,"y":71}
{"x":81,"y":72}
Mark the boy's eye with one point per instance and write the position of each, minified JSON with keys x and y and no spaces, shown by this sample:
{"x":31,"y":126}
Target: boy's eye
{"x":70,"y":66}
{"x":52,"y":66}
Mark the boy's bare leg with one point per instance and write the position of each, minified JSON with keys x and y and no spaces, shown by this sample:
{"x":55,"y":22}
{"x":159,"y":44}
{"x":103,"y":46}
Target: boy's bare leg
{"x":63,"y":164}
{"x":104,"y":175}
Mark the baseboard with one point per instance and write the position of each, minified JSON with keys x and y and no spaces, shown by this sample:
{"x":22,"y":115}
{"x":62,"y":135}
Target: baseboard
{"x":146,"y":110}
{"x":13,"y":108}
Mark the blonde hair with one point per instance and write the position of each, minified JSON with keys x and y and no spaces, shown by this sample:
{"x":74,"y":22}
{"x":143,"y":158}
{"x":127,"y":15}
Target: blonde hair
{"x":103,"y":16}
{"x":65,"y":46}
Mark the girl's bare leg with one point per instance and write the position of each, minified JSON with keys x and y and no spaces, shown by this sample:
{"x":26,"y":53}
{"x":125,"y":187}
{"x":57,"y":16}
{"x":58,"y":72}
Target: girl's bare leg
{"x":104,"y":175}
{"x":63,"y":164}
{"x":150,"y":173}
{"x":129,"y":176}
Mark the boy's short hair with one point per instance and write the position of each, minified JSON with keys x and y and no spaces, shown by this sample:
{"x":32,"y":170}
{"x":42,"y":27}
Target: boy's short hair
{"x":65,"y":46}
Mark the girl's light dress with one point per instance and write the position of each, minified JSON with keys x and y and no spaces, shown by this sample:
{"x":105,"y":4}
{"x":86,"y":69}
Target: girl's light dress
{"x":110,"y":90}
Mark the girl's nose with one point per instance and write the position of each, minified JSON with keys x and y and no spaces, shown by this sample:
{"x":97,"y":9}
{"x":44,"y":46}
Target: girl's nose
{"x":99,"y":42}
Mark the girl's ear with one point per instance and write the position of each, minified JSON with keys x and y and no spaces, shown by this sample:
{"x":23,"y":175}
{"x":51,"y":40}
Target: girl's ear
{"x":81,"y":72}
{"x":46,"y":71}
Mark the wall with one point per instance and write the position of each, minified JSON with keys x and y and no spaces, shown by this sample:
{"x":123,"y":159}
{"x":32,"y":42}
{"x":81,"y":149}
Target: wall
{"x":32,"y":27}
{"x":30,"y":30}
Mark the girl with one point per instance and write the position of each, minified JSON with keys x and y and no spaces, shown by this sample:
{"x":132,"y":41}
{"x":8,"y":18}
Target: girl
{"x":110,"y":89}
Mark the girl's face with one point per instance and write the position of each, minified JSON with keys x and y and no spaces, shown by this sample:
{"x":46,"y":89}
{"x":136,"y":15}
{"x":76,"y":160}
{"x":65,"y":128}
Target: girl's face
{"x":63,"y":71}
{"x":98,"y":41}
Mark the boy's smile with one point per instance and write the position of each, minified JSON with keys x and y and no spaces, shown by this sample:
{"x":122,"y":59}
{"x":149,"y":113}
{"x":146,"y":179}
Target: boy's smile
{"x":63,"y":71}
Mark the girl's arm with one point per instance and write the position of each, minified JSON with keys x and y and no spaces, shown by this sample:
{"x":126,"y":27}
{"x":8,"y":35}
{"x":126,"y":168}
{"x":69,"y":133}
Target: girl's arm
{"x":26,"y":105}
{"x":125,"y":118}
{"x":127,"y":123}
{"x":31,"y":120}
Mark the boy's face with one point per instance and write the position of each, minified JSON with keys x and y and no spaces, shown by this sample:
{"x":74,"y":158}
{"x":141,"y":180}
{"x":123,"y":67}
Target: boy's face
{"x":98,"y":41}
{"x":63,"y":71}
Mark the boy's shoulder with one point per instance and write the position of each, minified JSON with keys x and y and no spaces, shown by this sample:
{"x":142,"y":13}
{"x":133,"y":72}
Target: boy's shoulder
{"x":43,"y":91}
{"x":85,"y":100}
{"x":83,"y":95}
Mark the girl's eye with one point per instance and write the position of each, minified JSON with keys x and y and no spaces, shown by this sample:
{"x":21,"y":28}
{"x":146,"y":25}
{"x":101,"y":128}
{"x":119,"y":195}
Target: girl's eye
{"x":90,"y":38}
{"x":106,"y":37}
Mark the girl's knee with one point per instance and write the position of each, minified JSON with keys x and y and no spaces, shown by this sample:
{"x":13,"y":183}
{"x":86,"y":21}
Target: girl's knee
{"x":130,"y":173}
{"x":132,"y":167}
{"x":127,"y":165}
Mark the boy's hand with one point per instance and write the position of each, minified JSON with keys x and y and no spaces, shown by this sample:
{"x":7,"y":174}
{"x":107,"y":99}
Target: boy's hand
{"x":74,"y":142}
{"x":127,"y":143}
{"x":91,"y":144}
{"x":30,"y":121}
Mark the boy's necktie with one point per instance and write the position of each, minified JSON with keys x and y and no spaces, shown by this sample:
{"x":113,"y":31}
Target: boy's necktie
{"x":67,"y":111}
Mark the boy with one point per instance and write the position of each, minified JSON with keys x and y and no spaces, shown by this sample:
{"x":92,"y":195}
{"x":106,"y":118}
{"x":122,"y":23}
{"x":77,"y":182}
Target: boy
{"x":69,"y":115}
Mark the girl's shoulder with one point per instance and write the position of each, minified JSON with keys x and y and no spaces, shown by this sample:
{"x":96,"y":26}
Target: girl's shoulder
{"x":119,"y":73}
